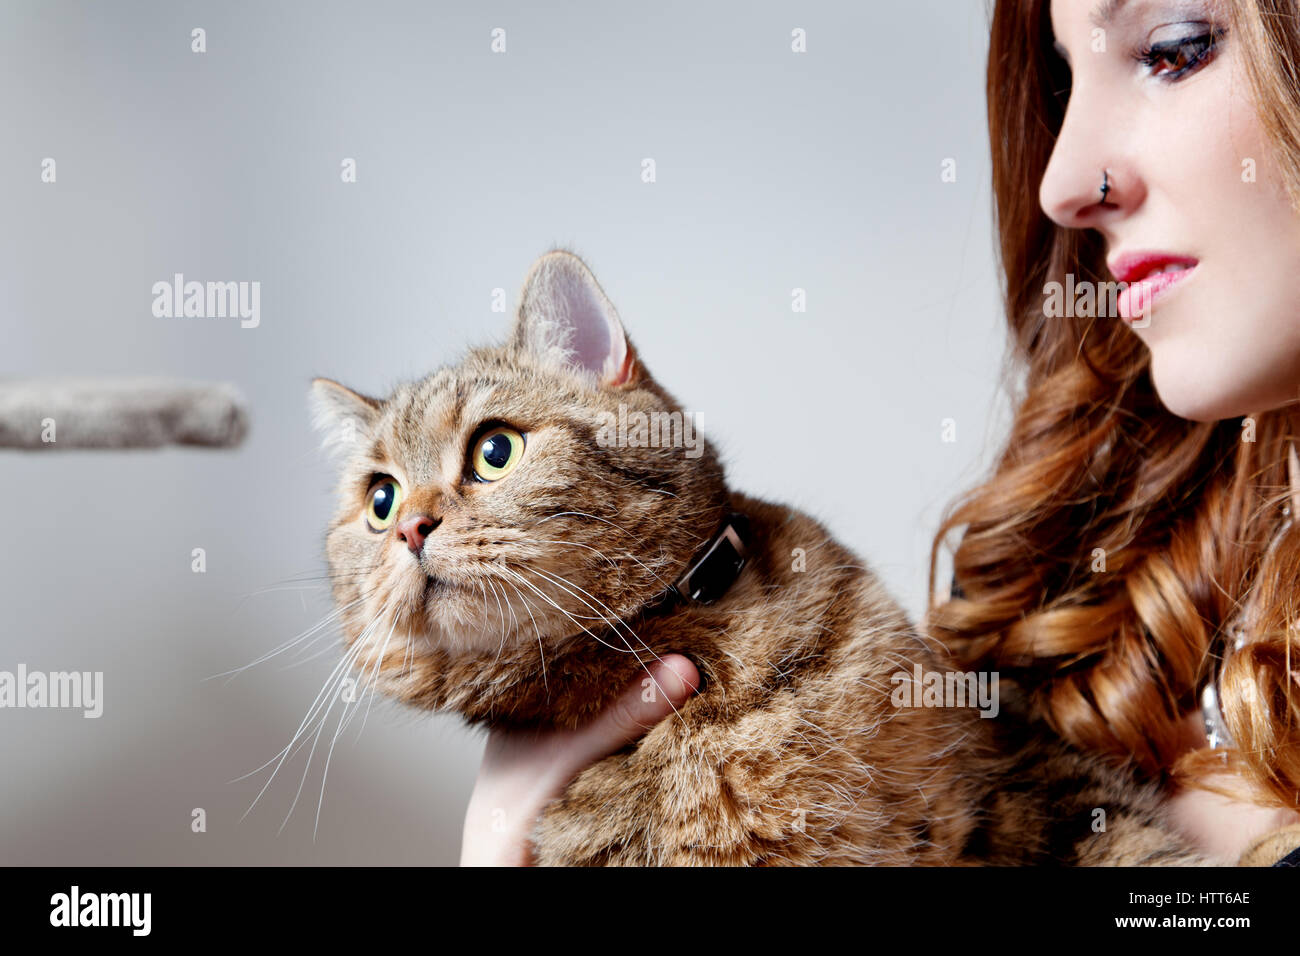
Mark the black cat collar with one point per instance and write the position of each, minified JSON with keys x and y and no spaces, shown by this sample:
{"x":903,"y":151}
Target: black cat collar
{"x":719,"y":564}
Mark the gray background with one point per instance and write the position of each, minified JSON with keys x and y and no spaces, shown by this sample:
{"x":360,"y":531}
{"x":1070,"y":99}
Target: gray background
{"x":775,"y":171}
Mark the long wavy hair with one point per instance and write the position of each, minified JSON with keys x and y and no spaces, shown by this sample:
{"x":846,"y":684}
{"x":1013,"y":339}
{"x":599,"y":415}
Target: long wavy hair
{"x":1100,"y":564}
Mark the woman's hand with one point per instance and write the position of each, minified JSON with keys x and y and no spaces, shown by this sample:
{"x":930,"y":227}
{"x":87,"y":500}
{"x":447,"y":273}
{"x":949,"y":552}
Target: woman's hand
{"x":523,"y":771}
{"x":1221,"y":827}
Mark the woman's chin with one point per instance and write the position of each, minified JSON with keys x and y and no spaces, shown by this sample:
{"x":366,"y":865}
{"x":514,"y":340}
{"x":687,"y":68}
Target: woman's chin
{"x":1191,"y":391}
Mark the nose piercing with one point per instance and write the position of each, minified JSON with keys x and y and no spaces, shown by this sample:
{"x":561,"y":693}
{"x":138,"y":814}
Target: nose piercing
{"x":1105,"y":183}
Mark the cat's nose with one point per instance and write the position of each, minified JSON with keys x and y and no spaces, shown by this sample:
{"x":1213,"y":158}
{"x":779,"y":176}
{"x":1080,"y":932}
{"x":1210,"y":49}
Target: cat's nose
{"x":413,"y":529}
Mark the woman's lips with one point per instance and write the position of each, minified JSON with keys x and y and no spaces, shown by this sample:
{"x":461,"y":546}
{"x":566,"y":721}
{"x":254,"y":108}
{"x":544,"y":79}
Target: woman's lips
{"x":1145,"y":276}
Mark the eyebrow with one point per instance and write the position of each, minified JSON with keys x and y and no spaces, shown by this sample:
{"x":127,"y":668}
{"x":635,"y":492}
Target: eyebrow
{"x":1106,"y":12}
{"x":1102,"y":16}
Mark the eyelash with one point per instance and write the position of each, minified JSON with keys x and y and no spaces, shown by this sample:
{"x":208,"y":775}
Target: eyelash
{"x":1206,"y":44}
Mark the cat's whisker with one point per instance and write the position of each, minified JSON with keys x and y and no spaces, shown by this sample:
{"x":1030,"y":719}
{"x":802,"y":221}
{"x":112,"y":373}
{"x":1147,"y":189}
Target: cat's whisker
{"x":537,"y":630}
{"x":408,"y":659}
{"x":299,"y":651}
{"x":482,"y":588}
{"x":302,"y":649}
{"x":547,"y":598}
{"x":561,"y":581}
{"x":331,"y":698}
{"x":330,"y":691}
{"x":630,"y":649}
{"x":285,"y":752}
{"x":323,"y":622}
{"x":343,"y":724}
{"x":574,"y":544}
{"x":364,"y":596}
{"x":510,"y":607}
{"x":501,"y":612}
{"x":374,"y":679}
{"x":316,"y":579}
{"x":300,"y":661}
{"x":573,"y":616}
{"x":318,"y":626}
{"x":505,"y":599}
{"x":577,"y":544}
{"x":276,"y":588}
{"x":583,"y":514}
{"x":327,"y":692}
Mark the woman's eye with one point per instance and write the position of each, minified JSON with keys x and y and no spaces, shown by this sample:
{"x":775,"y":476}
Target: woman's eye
{"x":497,"y":453}
{"x":382,"y":507}
{"x":1174,"y":58}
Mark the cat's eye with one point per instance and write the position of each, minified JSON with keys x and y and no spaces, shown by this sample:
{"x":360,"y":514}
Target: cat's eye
{"x":381,"y":504}
{"x":496,"y":453}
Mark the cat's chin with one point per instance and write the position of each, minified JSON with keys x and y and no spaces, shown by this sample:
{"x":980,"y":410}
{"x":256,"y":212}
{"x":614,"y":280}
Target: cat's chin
{"x":442,"y":617}
{"x":457,"y":641}
{"x":431,"y":615}
{"x":448,"y":628}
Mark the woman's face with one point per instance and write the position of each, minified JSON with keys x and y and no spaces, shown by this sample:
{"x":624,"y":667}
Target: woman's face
{"x":1160,"y":100}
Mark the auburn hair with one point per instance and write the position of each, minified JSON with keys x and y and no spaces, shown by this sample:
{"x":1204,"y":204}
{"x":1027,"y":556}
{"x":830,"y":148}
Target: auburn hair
{"x":1099,"y":566}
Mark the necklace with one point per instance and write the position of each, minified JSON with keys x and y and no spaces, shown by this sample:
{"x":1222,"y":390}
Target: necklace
{"x":1216,"y":729}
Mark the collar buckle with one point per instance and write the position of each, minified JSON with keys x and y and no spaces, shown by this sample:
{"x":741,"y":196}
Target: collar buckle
{"x":724,"y":558}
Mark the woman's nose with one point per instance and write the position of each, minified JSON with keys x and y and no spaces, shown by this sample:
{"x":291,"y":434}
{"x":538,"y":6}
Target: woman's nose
{"x":1088,"y":181}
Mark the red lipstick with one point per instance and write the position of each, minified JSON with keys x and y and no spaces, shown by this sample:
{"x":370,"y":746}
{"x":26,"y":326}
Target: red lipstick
{"x":1147,"y":275}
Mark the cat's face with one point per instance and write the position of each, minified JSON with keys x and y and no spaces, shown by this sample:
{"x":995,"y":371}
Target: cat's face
{"x":492,"y":503}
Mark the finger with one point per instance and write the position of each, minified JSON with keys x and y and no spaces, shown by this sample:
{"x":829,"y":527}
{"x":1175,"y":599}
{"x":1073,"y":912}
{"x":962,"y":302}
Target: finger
{"x":489,"y":839}
{"x":538,"y":762}
{"x":525,"y":770}
{"x":670,"y":683}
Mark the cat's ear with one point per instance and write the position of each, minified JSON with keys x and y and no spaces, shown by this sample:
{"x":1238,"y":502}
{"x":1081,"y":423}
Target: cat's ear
{"x":565,"y":317}
{"x":341,"y":415}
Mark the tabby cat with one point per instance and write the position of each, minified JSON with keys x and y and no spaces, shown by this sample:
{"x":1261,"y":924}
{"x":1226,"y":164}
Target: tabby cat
{"x":515,"y":542}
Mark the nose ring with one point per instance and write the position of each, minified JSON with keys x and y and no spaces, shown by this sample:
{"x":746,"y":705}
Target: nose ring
{"x":1105,"y":184}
